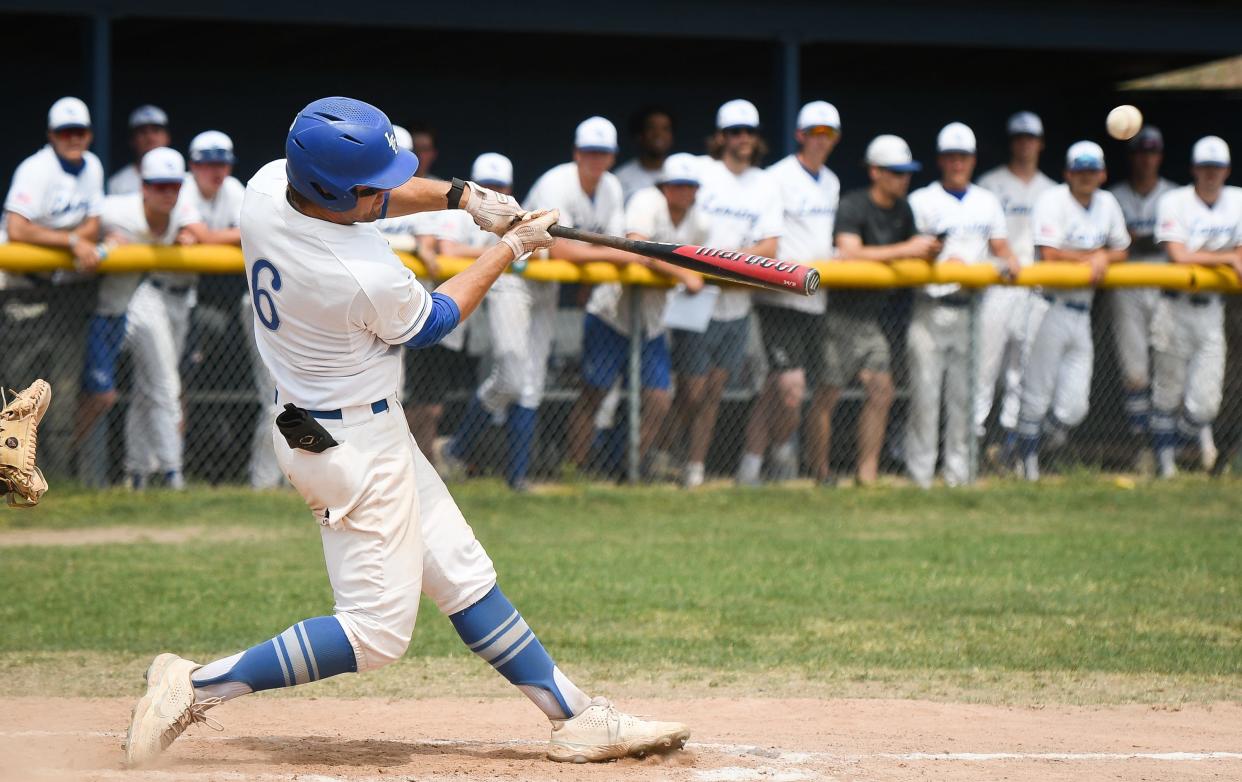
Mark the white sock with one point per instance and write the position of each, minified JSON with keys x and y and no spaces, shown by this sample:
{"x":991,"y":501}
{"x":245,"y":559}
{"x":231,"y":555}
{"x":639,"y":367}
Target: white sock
{"x":749,"y":469}
{"x":223,"y":690}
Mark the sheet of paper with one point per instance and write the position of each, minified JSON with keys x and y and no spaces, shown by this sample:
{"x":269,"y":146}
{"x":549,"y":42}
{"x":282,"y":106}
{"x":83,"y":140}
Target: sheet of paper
{"x":690,"y":311}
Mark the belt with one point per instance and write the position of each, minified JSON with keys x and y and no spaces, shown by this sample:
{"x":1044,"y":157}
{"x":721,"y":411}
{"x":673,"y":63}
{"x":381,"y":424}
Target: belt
{"x":1195,"y":299}
{"x":180,"y":290}
{"x":336,"y":415}
{"x":952,"y":300}
{"x":1076,"y":306}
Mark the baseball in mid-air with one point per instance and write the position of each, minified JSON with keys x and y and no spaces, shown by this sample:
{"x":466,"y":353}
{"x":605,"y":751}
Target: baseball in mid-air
{"x":1124,"y":122}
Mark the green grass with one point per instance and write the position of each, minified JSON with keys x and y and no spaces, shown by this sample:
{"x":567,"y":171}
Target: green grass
{"x":1012,"y":592}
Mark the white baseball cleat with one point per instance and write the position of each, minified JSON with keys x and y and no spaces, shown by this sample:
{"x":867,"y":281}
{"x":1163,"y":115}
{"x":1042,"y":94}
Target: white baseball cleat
{"x":165,"y":710}
{"x":601,"y":732}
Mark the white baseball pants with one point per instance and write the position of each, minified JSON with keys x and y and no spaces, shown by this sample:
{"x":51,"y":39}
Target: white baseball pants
{"x":263,"y":471}
{"x":1189,"y":364}
{"x":390,"y":530}
{"x":1133,"y":310}
{"x":937,"y":346}
{"x":521,"y":314}
{"x":156,"y":327}
{"x":1008,"y":319}
{"x":1058,"y":376}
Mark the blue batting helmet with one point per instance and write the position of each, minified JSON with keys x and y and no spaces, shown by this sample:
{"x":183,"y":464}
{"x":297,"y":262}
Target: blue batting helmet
{"x":337,"y":144}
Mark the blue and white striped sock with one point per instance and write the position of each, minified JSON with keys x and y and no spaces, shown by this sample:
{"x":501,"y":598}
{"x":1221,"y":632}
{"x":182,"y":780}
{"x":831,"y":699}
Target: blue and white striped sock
{"x":495,"y":631}
{"x":310,"y":650}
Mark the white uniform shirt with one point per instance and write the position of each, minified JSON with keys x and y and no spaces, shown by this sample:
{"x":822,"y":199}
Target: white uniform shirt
{"x":810,"y":204}
{"x":1184,"y":218}
{"x":47,"y":195}
{"x":744,"y":210}
{"x":559,"y":188}
{"x":1061,"y":222}
{"x":971,"y":222}
{"x":219,"y":214}
{"x":647,"y":214}
{"x":1018,"y":200}
{"x":633,"y":177}
{"x":1140,"y":214}
{"x":333,"y":303}
{"x":123,"y":214}
{"x":125,"y":181}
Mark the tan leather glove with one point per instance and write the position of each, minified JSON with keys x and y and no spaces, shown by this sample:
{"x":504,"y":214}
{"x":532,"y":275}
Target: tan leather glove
{"x":532,"y":233}
{"x":20,"y":479}
{"x":492,"y":211}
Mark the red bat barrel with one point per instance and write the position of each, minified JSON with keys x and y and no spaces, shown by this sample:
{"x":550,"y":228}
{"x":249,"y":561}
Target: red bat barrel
{"x":768,"y":272}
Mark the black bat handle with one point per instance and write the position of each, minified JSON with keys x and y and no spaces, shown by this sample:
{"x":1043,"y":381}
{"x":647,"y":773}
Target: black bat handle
{"x":616,"y":242}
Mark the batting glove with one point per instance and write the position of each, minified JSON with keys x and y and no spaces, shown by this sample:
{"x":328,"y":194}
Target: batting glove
{"x":531,"y":233}
{"x":492,"y":211}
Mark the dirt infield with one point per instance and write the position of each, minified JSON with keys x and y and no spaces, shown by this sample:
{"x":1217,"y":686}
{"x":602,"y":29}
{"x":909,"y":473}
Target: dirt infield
{"x":734,"y":740}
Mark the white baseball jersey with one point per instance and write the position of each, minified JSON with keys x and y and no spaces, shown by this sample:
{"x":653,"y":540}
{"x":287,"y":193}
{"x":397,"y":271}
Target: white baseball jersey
{"x":47,"y":195}
{"x":559,"y":188}
{"x":647,"y":214}
{"x":1183,"y":217}
{"x":219,"y":214}
{"x":971,"y":222}
{"x":633,"y":177}
{"x":333,"y":303}
{"x":744,"y":209}
{"x":1140,"y":214}
{"x":1017,"y":198}
{"x":1060,"y":221}
{"x":810,"y":203}
{"x":125,"y":181}
{"x":124,"y":214}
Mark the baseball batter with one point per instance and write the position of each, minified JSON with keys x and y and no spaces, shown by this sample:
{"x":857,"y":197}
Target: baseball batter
{"x":1009,"y":316}
{"x":793,"y":326}
{"x":1201,"y":224}
{"x":1134,"y":308}
{"x":157,"y":318}
{"x":1075,"y":222}
{"x":972,"y":223}
{"x":334,"y":307}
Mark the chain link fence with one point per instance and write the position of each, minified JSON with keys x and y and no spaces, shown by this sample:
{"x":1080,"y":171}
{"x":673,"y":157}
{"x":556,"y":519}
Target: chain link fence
{"x":814,"y":425}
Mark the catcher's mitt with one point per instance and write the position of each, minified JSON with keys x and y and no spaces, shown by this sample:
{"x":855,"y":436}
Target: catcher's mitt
{"x":20,"y":478}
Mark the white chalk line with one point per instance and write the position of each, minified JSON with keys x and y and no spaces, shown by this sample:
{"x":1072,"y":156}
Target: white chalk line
{"x":781,"y":757}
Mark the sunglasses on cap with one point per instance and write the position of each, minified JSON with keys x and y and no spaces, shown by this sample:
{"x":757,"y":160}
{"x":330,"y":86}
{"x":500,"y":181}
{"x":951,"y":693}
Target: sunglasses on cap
{"x":163,"y":187}
{"x":821,"y":130}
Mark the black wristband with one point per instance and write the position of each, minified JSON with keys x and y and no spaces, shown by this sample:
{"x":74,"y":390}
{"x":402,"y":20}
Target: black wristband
{"x":454,"y":194}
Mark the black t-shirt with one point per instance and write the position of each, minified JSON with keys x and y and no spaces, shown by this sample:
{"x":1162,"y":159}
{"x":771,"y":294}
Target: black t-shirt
{"x":858,"y":214}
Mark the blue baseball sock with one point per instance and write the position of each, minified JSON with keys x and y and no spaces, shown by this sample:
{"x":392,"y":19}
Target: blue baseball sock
{"x":521,"y":433}
{"x":1163,"y":431}
{"x":495,"y":631}
{"x":310,"y":650}
{"x":1138,"y":410}
{"x":472,"y":425}
{"x":1027,"y":437}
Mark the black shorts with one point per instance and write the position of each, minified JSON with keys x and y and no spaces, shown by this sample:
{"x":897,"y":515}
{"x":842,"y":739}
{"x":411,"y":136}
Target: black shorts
{"x":793,"y":340}
{"x":431,"y":373}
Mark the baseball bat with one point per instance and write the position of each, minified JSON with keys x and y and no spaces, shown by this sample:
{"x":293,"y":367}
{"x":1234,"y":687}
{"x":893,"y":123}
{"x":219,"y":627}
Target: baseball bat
{"x":748,"y":269}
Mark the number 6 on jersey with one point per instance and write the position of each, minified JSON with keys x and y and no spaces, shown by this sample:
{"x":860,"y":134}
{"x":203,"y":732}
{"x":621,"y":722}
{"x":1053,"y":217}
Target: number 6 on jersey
{"x":258,"y":295}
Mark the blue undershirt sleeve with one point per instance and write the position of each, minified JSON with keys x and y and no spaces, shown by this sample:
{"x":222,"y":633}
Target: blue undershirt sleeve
{"x":444,"y":317}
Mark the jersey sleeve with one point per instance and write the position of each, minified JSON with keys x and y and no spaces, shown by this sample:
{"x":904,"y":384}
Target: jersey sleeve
{"x":640,"y":215}
{"x":1170,"y":227}
{"x":1118,"y":234}
{"x":1046,"y":223}
{"x":399,"y":305}
{"x":999,"y":227}
{"x":185,"y":213}
{"x":27,"y":191}
{"x":236,"y":193}
{"x":924,"y":214}
{"x":771,"y":223}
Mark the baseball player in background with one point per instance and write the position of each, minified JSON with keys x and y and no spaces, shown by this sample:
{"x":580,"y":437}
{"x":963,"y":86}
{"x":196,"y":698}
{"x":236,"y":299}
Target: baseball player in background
{"x":663,"y":213}
{"x":743,"y":203}
{"x":873,"y":224}
{"x":1200,"y":223}
{"x":971,"y":223}
{"x":588,"y":197}
{"x":1009,"y":316}
{"x":793,"y":326}
{"x":334,"y":307}
{"x":1076,"y":222}
{"x":148,"y":129}
{"x":1134,"y":308}
{"x":157,"y":317}
{"x":651,"y":128}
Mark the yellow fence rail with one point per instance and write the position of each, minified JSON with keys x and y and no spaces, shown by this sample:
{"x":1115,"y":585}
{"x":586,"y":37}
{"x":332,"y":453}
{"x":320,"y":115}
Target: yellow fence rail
{"x":221,"y":259}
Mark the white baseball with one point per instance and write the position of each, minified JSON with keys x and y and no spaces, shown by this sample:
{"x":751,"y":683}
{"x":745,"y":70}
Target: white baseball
{"x":1124,"y":122}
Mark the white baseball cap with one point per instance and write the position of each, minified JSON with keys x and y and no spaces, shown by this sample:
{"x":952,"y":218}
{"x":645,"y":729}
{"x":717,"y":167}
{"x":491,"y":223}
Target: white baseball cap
{"x":211,"y":146}
{"x":891,"y":152}
{"x":681,"y":168}
{"x":596,"y":134}
{"x":1084,"y":156}
{"x":162,"y":165}
{"x":68,"y":113}
{"x":1210,"y":151}
{"x":1026,"y":123}
{"x":147,"y":115}
{"x":819,"y":114}
{"x":404,"y":139}
{"x":955,"y":137}
{"x":737,"y":113}
{"x":492,"y":168}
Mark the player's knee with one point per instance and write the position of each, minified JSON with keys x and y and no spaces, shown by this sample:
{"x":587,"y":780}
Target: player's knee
{"x":381,"y":636}
{"x":1071,"y":415}
{"x":1203,"y":408}
{"x":879,"y":388}
{"x":791,"y":388}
